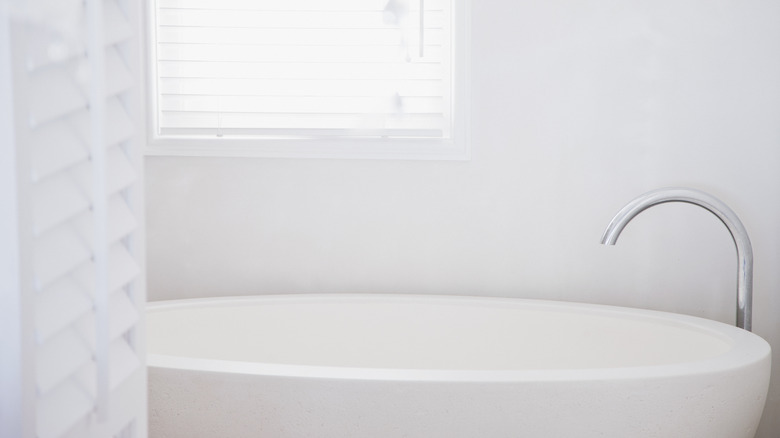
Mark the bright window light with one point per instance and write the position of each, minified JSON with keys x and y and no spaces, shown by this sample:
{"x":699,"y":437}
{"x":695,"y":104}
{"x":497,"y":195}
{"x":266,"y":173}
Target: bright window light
{"x":265,"y":75}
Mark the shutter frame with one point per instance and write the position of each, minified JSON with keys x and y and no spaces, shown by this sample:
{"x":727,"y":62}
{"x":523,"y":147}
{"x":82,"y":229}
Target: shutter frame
{"x":50,"y":306}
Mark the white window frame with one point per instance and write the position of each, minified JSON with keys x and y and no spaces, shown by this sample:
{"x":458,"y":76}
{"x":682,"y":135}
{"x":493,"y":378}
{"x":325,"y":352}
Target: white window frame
{"x":457,"y":147}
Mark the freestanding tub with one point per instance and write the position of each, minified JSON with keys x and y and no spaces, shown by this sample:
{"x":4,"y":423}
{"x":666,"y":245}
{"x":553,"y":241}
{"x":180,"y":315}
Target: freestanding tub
{"x":369,"y":366}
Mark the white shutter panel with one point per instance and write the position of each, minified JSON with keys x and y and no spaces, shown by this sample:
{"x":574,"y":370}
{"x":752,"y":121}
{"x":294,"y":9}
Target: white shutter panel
{"x":304,"y":68}
{"x":78,"y":157}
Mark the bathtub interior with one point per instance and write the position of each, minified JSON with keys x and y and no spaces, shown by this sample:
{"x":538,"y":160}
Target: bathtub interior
{"x":428,"y":333}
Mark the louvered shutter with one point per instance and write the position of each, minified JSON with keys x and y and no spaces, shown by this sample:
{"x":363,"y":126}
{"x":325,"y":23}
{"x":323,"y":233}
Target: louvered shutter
{"x":76,"y":143}
{"x":304,"y":68}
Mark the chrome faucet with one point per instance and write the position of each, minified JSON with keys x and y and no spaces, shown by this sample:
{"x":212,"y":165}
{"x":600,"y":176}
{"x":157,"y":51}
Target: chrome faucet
{"x":719,"y":209}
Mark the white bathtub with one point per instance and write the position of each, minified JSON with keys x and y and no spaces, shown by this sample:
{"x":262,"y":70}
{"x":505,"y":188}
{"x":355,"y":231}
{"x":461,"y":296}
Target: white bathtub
{"x":368,"y":366}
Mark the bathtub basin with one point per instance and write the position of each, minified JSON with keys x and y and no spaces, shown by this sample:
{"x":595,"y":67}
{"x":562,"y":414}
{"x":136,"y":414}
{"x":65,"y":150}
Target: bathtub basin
{"x":375,"y":366}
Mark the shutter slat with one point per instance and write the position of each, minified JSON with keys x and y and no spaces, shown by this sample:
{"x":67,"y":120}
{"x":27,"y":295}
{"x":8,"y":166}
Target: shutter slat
{"x":65,"y":195}
{"x":63,"y":355}
{"x":61,"y":197}
{"x":123,"y":361}
{"x":59,"y":35}
{"x":123,"y":314}
{"x":57,"y":199}
{"x":116,"y":27}
{"x":49,"y":48}
{"x":57,"y":253}
{"x":59,"y":306}
{"x":54,"y":94}
{"x":119,"y":127}
{"x":121,"y":222}
{"x":118,"y":77}
{"x":62,"y":409}
{"x":120,"y":172}
{"x":123,"y":269}
{"x":55,"y":147}
{"x":123,"y":317}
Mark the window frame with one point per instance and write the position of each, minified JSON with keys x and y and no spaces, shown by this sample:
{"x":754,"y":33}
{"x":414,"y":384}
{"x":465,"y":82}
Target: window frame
{"x":457,"y":147}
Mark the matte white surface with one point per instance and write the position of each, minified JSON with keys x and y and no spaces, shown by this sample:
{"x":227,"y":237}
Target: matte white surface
{"x":423,"y":333}
{"x":578,"y":107}
{"x":415,"y":366}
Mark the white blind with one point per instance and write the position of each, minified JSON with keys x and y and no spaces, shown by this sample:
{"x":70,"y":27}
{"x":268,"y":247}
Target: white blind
{"x":304,"y":68}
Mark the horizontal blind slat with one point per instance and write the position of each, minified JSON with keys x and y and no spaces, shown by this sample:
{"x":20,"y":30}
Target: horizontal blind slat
{"x":271,"y":53}
{"x":311,"y":37}
{"x":301,"y":121}
{"x":289,"y":5}
{"x":388,"y":104}
{"x":305,"y":71}
{"x":284,"y":87}
{"x":288,"y":19}
{"x":305,"y":133}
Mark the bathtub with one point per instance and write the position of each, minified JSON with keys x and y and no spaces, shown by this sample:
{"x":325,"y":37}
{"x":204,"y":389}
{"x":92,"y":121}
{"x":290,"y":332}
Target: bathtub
{"x":375,"y":366}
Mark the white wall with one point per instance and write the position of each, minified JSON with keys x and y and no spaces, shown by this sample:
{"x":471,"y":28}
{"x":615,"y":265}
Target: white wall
{"x":578,"y":106}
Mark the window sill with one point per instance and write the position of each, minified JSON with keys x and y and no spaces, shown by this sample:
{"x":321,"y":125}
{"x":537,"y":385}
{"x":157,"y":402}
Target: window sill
{"x":381,"y":149}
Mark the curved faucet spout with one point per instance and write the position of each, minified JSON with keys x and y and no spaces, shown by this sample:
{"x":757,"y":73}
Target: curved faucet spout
{"x":719,"y":209}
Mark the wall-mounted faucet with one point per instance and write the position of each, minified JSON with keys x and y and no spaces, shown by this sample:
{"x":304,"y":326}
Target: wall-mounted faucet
{"x":719,"y":209}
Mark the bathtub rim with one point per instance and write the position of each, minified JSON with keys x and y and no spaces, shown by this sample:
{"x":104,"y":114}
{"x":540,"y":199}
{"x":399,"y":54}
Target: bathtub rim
{"x":747,"y":348}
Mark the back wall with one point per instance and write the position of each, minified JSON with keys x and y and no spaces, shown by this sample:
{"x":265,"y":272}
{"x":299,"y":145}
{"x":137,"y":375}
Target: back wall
{"x":578,"y":107}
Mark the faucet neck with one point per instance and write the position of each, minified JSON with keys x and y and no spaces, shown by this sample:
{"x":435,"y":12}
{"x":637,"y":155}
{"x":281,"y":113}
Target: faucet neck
{"x":718,"y":208}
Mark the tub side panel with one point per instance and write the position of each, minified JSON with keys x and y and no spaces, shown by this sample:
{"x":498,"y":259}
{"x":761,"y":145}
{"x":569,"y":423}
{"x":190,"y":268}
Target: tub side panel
{"x":187,"y":404}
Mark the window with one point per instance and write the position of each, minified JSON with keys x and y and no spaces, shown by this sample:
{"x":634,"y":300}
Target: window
{"x":342,"y":78}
